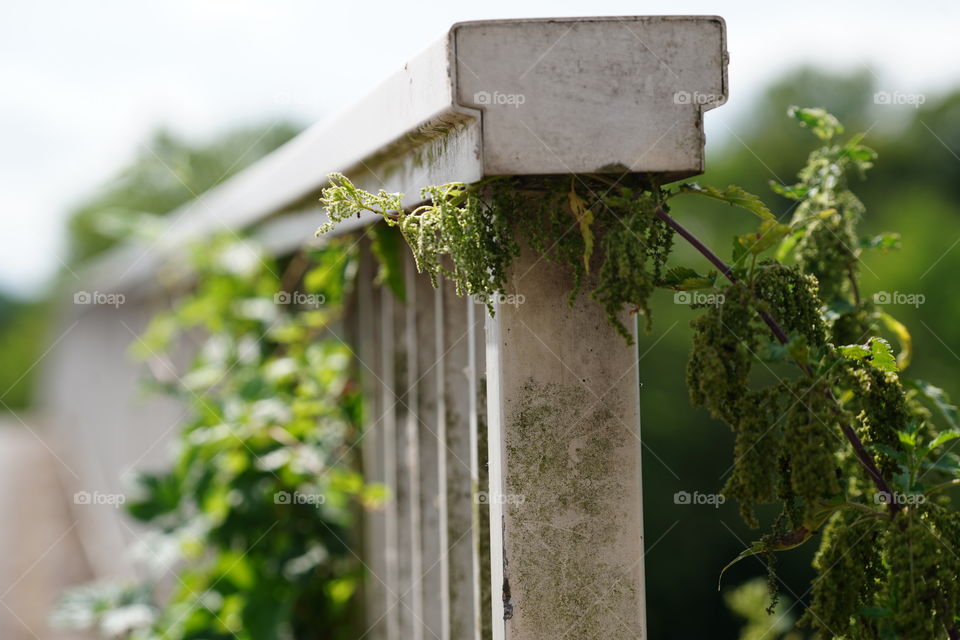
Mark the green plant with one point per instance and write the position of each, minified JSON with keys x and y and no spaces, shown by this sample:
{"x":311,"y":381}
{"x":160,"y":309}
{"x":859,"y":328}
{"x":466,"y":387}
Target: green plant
{"x":793,"y":359}
{"x":255,"y":518}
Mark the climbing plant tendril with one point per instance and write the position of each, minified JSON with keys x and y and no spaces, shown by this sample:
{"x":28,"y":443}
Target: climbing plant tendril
{"x":847,"y":448}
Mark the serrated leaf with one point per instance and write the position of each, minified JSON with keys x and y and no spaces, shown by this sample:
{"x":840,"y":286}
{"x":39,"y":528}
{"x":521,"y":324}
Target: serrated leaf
{"x":908,"y":440}
{"x":881,"y":355}
{"x":732,"y":195}
{"x":824,"y":125}
{"x":941,"y":440}
{"x":877,"y":352}
{"x":584,"y":216}
{"x":686,"y":279}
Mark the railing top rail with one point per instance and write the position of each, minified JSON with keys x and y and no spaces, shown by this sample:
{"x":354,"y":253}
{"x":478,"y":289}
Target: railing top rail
{"x":504,"y":97}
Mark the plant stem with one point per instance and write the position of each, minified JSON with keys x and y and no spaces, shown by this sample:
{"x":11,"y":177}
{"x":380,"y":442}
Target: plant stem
{"x":859,"y":450}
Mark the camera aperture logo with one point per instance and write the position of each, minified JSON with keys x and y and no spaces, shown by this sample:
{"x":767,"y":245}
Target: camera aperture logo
{"x":299,"y":298}
{"x":297,"y":497}
{"x":497,"y":99}
{"x":899,"y":97}
{"x":500,"y":299}
{"x":896,"y":297}
{"x":696,"y":498}
{"x":482,"y":497}
{"x":699,"y":298}
{"x":902,"y":499}
{"x":99,"y":298}
{"x":698,"y":98}
{"x":97,"y":497}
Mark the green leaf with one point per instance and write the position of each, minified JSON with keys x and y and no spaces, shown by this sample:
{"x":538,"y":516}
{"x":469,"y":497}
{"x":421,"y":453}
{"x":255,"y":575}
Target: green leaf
{"x":940,"y":399}
{"x":899,"y":456}
{"x":877,"y":352}
{"x":787,"y":245}
{"x":768,"y":234}
{"x":823,"y":124}
{"x":732,"y":195}
{"x":685,"y":279}
{"x":903,"y":337}
{"x":941,"y":440}
{"x":789,"y":540}
{"x":882,"y":355}
{"x":887,"y":241}
{"x":584,"y":216}
{"x":740,"y":253}
{"x":797,"y":191}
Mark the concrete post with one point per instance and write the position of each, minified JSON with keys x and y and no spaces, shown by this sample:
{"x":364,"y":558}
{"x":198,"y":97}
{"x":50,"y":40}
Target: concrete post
{"x":564,"y":442}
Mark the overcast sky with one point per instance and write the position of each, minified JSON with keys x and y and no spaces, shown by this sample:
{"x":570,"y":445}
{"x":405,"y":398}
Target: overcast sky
{"x":82,"y":84}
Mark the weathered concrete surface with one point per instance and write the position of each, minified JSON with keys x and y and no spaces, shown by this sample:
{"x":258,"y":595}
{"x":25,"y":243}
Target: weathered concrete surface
{"x":41,"y":550}
{"x":565,"y":465}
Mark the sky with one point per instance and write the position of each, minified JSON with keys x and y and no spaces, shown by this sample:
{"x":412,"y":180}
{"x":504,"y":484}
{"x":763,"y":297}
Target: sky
{"x":83,"y":84}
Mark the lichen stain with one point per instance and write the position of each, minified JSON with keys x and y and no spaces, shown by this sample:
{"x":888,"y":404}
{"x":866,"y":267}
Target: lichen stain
{"x":564,"y":449}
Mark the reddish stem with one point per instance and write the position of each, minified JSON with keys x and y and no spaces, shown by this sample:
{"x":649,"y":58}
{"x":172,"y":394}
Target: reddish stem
{"x":859,"y":450}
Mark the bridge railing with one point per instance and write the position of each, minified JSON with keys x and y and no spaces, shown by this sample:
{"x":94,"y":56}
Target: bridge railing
{"x":510,"y":444}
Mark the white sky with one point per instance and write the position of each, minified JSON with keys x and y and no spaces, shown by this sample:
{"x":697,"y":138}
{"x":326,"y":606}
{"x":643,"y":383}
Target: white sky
{"x":82,"y":84}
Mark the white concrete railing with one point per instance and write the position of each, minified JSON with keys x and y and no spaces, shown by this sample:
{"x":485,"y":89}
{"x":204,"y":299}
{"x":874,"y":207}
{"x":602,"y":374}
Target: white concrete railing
{"x":534,"y":531}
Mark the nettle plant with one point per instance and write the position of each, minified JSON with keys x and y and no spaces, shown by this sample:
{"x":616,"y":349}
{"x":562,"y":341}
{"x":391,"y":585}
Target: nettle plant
{"x":835,"y":435}
{"x":248,"y":533}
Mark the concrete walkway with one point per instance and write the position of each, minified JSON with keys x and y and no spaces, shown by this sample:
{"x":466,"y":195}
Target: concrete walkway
{"x":41,"y":552}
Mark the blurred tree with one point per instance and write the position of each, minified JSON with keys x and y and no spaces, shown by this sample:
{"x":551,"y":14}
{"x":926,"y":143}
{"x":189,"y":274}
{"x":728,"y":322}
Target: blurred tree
{"x":23,"y":328}
{"x":167,"y":173}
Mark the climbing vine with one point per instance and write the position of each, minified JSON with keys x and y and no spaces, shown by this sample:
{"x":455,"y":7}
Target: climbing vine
{"x":796,"y":362}
{"x":247,"y":534}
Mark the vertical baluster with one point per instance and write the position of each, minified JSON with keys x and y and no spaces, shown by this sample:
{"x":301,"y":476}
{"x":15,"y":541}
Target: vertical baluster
{"x":424,"y":422}
{"x":391,"y":349}
{"x":476,"y":319}
{"x":373,"y":445}
{"x":459,"y":480}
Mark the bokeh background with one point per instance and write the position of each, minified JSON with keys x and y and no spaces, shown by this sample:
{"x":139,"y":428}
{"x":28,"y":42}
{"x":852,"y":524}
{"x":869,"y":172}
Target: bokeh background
{"x":114,"y":113}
